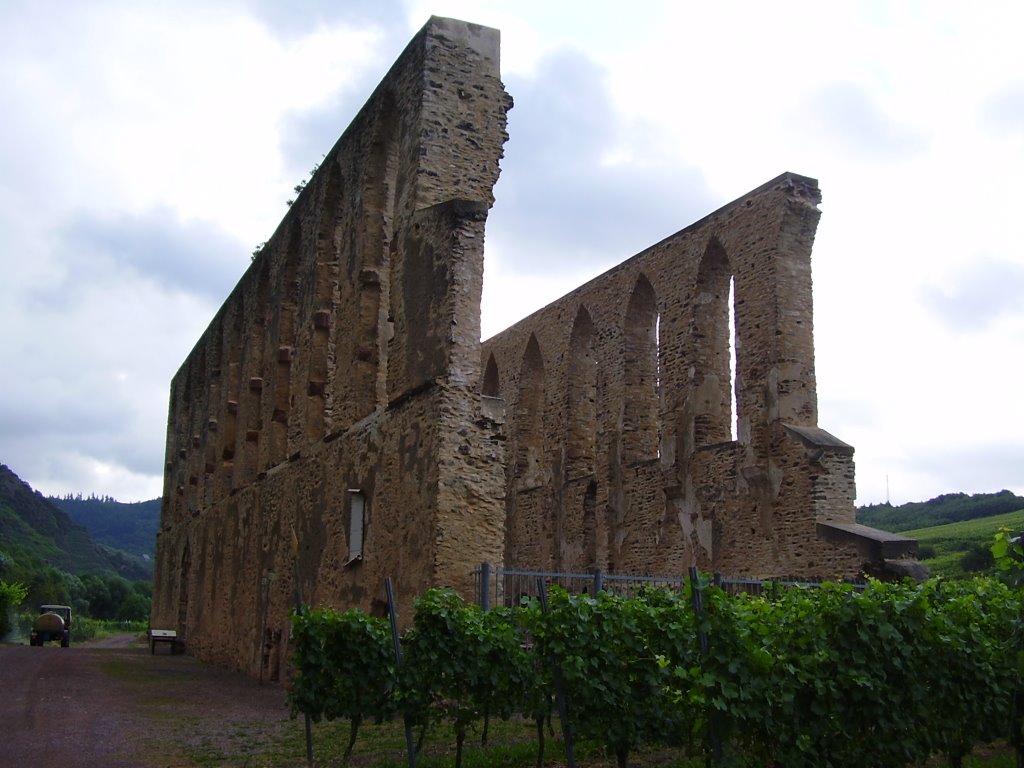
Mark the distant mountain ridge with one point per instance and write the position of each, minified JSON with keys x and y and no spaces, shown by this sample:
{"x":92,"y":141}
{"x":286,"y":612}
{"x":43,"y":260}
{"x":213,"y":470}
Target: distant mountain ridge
{"x":33,"y":529}
{"x":131,"y":527}
{"x":948,"y":508}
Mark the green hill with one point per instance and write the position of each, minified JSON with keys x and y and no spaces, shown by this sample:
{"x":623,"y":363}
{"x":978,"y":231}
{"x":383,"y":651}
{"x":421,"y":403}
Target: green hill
{"x":959,"y":549}
{"x":35,"y":533}
{"x":948,"y":508}
{"x":128,"y":527}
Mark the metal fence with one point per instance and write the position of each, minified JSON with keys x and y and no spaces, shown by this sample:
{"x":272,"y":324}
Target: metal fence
{"x":503,"y":586}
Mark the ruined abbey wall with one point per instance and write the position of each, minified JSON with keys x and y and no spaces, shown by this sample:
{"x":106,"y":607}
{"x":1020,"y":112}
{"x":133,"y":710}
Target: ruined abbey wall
{"x":340,"y":421}
{"x":336,"y":393}
{"x":621,"y":451}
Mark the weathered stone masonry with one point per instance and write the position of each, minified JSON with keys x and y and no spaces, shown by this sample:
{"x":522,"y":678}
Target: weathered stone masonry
{"x":342,"y":375}
{"x":342,"y":392}
{"x":621,"y":454}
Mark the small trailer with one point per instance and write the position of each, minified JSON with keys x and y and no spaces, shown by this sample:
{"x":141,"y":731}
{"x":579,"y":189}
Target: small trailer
{"x":169,"y":636}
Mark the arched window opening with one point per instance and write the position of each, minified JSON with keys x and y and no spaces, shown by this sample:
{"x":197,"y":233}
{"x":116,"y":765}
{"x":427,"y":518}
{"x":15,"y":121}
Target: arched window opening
{"x":712,"y":383}
{"x":529,"y":417}
{"x":581,"y":398}
{"x":641,"y":375}
{"x":491,"y":385}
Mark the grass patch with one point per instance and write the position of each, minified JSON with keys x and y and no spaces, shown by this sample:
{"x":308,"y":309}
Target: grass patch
{"x":511,"y":744}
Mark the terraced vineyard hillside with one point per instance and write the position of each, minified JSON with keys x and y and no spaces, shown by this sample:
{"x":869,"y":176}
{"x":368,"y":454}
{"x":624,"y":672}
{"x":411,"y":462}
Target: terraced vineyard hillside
{"x":960,"y":549}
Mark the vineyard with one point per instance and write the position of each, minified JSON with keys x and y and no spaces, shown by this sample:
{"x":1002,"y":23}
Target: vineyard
{"x":831,"y":676}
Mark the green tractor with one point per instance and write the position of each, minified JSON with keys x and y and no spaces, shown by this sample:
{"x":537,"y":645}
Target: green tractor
{"x":53,"y":623}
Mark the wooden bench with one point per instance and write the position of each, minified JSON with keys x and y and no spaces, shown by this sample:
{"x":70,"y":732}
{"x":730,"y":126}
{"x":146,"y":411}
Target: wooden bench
{"x":165,"y":636}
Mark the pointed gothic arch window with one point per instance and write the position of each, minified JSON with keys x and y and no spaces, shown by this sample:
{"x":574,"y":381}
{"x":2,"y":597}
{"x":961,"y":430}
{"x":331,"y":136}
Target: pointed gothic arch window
{"x":529,"y":415}
{"x":492,"y":383}
{"x":712,"y":383}
{"x":640,"y":374}
{"x":581,"y":401}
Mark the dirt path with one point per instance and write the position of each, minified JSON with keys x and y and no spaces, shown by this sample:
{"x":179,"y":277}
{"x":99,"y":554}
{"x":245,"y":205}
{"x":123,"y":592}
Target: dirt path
{"x":111,"y":703}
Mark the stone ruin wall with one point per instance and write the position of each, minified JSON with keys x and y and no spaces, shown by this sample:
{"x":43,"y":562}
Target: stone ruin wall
{"x":346,"y":358}
{"x":347,"y":364}
{"x":619,"y":418}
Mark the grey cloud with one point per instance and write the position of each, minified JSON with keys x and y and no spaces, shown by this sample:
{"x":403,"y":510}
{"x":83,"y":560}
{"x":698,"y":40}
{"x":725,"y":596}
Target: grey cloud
{"x":557,"y":204}
{"x":846,"y":115}
{"x":193,"y":256}
{"x":50,"y":415}
{"x":981,"y":295}
{"x":307,"y":135}
{"x":53,"y":407}
{"x":96,"y":345}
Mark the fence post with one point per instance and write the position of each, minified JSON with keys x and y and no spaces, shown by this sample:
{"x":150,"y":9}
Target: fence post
{"x":410,"y":745}
{"x":598,"y":581}
{"x":563,"y":705}
{"x":485,"y":586}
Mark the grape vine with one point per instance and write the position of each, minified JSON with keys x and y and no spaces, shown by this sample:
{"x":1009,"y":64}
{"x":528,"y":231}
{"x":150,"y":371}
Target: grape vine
{"x":825,"y":677}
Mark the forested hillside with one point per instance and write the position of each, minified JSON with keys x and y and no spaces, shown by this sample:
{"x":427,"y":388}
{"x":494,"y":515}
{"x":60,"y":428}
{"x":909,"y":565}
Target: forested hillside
{"x":948,"y":508}
{"x":129,"y":527}
{"x":32,"y":529}
{"x":55,"y":560}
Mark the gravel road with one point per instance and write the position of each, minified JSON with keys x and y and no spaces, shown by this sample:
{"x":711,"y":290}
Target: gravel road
{"x":111,"y":703}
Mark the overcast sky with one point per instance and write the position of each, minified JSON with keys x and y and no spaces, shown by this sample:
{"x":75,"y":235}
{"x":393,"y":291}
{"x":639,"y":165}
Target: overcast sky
{"x":147,"y":148}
